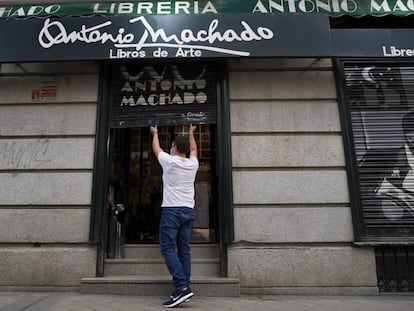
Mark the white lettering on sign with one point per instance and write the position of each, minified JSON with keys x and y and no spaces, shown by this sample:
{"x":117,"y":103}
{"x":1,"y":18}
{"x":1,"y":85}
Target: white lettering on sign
{"x":34,"y":10}
{"x":160,"y":90}
{"x":194,"y":116}
{"x":395,"y":52}
{"x":167,"y":92}
{"x":55,"y":33}
{"x":139,"y":8}
{"x":155,"y":8}
{"x":164,"y":99}
{"x":384,"y":6}
{"x":305,"y":6}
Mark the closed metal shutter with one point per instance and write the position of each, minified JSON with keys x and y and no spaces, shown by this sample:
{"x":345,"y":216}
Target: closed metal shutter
{"x":164,"y":94}
{"x":381,"y":104}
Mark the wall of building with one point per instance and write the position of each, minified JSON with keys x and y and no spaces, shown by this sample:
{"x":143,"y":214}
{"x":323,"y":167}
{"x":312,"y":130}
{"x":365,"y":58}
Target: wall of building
{"x":293,"y":226}
{"x":46,"y":166}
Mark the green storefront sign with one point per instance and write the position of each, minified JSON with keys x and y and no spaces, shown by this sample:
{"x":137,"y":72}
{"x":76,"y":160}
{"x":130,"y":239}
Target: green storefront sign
{"x":137,"y":8}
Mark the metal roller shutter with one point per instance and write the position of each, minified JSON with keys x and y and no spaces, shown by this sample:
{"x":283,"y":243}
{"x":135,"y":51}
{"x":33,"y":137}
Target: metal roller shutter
{"x":163,"y":94}
{"x":380,"y":100}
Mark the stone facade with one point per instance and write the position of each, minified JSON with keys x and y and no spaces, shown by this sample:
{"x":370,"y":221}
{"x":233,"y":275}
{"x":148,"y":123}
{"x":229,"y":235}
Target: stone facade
{"x":46,"y":168}
{"x":292,"y":216}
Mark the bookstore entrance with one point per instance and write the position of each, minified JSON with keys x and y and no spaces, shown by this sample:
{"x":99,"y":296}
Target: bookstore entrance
{"x":136,"y":182}
{"x":171,"y":96}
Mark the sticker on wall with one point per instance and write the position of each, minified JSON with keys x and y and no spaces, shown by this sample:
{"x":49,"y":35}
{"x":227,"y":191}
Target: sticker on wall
{"x":46,"y":91}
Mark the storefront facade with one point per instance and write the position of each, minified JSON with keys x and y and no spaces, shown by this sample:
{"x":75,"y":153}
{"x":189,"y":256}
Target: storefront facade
{"x":288,"y":107}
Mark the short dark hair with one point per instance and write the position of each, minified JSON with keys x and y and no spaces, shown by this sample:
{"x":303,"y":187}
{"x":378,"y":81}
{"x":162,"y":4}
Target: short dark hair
{"x":182,"y":144}
{"x":408,"y":122}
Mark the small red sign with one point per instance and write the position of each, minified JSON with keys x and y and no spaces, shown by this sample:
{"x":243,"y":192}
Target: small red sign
{"x":35,"y":94}
{"x":45,"y":92}
{"x":48,"y":91}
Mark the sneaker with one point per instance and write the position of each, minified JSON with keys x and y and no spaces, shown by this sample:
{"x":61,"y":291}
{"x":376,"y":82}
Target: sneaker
{"x":187,"y":300}
{"x":178,"y":297}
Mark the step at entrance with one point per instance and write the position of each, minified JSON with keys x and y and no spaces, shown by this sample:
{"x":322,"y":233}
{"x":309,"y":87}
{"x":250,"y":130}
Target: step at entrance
{"x":153,"y":251}
{"x":142,"y":259}
{"x":142,"y":272}
{"x":157,"y":267}
{"x":156,"y":285}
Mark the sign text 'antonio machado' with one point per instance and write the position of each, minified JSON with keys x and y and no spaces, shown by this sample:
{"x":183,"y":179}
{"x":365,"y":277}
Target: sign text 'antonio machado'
{"x":187,"y":42}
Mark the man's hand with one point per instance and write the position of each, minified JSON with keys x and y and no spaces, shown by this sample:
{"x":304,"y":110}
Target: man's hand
{"x":153,"y":129}
{"x":155,"y":142}
{"x":192,"y":128}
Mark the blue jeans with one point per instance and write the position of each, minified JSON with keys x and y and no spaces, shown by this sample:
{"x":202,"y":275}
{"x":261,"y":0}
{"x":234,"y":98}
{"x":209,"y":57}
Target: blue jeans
{"x":176,"y":225}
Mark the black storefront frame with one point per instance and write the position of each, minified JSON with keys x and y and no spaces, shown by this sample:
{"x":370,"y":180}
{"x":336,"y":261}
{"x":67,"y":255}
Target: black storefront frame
{"x":99,"y":209}
{"x":349,"y":148}
{"x":360,"y":236}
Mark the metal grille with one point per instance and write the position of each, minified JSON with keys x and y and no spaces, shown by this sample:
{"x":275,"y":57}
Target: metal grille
{"x":395,"y":269}
{"x":381,"y":105}
{"x":164,"y":94}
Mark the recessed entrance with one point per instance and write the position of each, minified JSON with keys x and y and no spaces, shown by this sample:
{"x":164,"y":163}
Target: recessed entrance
{"x":172,"y":96}
{"x":136,"y":182}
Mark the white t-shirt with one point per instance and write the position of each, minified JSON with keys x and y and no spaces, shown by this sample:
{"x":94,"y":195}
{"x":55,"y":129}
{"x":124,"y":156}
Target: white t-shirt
{"x":178,"y":180}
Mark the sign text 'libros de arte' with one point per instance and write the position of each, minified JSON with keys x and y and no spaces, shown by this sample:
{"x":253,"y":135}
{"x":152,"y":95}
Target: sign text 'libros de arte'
{"x":143,"y":40}
{"x":139,"y":8}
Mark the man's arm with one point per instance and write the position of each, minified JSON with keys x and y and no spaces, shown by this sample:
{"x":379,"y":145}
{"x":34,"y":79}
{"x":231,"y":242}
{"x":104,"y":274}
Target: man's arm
{"x":193,"y":144}
{"x":155,"y":141}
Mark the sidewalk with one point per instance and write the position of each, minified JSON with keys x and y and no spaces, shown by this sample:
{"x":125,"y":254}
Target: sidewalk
{"x":19,"y":301}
